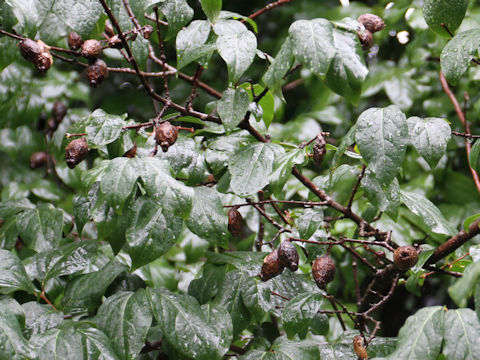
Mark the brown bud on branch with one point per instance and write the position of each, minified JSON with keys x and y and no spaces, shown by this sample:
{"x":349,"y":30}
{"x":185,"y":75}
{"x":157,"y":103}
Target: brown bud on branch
{"x":75,"y":152}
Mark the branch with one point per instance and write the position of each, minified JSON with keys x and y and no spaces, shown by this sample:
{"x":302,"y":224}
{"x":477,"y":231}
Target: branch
{"x":266,"y":8}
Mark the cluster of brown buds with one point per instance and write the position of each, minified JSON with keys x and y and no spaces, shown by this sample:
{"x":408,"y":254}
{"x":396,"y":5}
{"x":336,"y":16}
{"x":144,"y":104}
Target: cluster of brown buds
{"x":285,"y":256}
{"x":372,"y":24}
{"x":38,"y":53}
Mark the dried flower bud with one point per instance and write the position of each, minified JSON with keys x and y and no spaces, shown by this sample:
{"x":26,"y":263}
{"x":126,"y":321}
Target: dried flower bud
{"x":59,"y":110}
{"x":366,"y":39}
{"x":405,"y":257}
{"x":165,"y":135}
{"x":91,"y":49}
{"x":319,"y":150}
{"x":372,"y":23}
{"x":115,"y":42}
{"x":38,"y":159}
{"x":288,"y":255}
{"x":359,"y":347}
{"x":132,"y":152}
{"x":147,"y":31}
{"x":271,"y":266}
{"x":97,"y":72}
{"x":109,"y":29}
{"x":235,"y":221}
{"x":75,"y":152}
{"x":74,"y":40}
{"x":36,"y":52}
{"x":323,"y":271}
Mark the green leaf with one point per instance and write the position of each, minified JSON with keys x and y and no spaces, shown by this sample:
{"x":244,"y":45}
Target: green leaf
{"x":421,"y":336}
{"x":238,"y":51}
{"x":463,"y":288}
{"x":212,"y":9}
{"x":208,"y":219}
{"x":461,"y":340}
{"x":427,"y":211}
{"x":8,"y":52}
{"x":382,"y":136}
{"x":470,"y":220}
{"x":309,"y":222}
{"x":152,"y":231}
{"x":284,"y":349}
{"x":191,"y":43}
{"x":81,"y":212}
{"x":13,"y":276}
{"x":230,"y":297}
{"x":299,"y":312}
{"x":125,"y":318}
{"x":80,"y":17}
{"x":458,"y":53}
{"x":246,"y":261}
{"x":178,"y":14}
{"x":12,"y":343}
{"x":430,"y":137}
{"x":40,"y":318}
{"x":384,"y":199}
{"x":84,"y":292}
{"x":313,"y":44}
{"x":274,"y":77}
{"x":102,"y":128}
{"x":477,"y":300}
{"x":232,"y":107}
{"x":140,"y":51}
{"x":41,"y":228}
{"x":206,"y":332}
{"x":282,"y":168}
{"x":206,"y":287}
{"x":474,"y":158}
{"x":347,"y":72}
{"x":448,"y":12}
{"x":250,"y":168}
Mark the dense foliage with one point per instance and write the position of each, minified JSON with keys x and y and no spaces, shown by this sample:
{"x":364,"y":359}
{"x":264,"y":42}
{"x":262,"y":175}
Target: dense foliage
{"x":197,"y":180}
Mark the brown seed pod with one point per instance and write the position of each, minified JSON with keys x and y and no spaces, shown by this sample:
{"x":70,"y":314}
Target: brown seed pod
{"x":288,"y":255}
{"x":38,"y":159}
{"x":359,"y":347}
{"x":59,"y":110}
{"x":97,"y":71}
{"x":405,"y":257}
{"x":271,"y":266}
{"x":323,"y":271}
{"x":132,"y":152}
{"x":319,"y":150}
{"x":75,"y":152}
{"x":372,"y":23}
{"x":109,"y":29}
{"x":115,"y":42}
{"x":235,"y":221}
{"x":91,"y":49}
{"x":165,"y":135}
{"x":74,"y":40}
{"x":36,"y":52}
{"x":366,"y":39}
{"x":147,"y":31}
{"x":29,"y":49}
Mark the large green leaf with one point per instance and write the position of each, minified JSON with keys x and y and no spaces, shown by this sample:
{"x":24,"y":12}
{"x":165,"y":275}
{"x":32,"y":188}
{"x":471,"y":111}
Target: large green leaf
{"x":208,"y":219}
{"x":299,"y":312}
{"x":430,"y":137}
{"x":282,"y":168}
{"x":206,"y":287}
{"x":463,"y":288}
{"x":125,"y":318}
{"x":309,"y":222}
{"x":274,"y":77}
{"x":250,"y":168}
{"x":233,"y":107}
{"x":212,"y":9}
{"x":384,"y":199}
{"x":421,"y":336}
{"x":458,"y":53}
{"x":152,"y":232}
{"x":103,"y":128}
{"x":448,"y":12}
{"x":13,"y":276}
{"x":238,"y":51}
{"x":40,"y":318}
{"x":196,"y":332}
{"x":427,"y":211}
{"x":12,"y":343}
{"x":313,"y":44}
{"x":191,"y":42}
{"x":461,"y":339}
{"x":178,"y":14}
{"x":382,"y":137}
{"x":79,"y":16}
{"x":8,"y":52}
{"x":284,"y":349}
{"x":347,"y":71}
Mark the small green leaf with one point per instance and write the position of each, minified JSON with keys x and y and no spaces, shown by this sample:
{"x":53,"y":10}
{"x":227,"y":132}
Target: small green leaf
{"x":382,"y":136}
{"x":282,"y":168}
{"x":448,"y":12}
{"x":212,"y":9}
{"x":299,"y":312}
{"x":238,"y":51}
{"x":8,"y":52}
{"x":420,"y":338}
{"x":178,"y":14}
{"x":470,"y":220}
{"x":461,"y":340}
{"x":12,"y":343}
{"x":463,"y":288}
{"x":102,"y":128}
{"x":430,"y":137}
{"x":384,"y":199}
{"x":313,"y":44}
{"x":274,"y":77}
{"x":40,"y":318}
{"x":232,"y":107}
{"x":474,"y":159}
{"x":427,"y":211}
{"x":191,"y":43}
{"x":13,"y":276}
{"x":80,"y":17}
{"x":458,"y":53}
{"x":206,"y":287}
{"x":309,"y":222}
